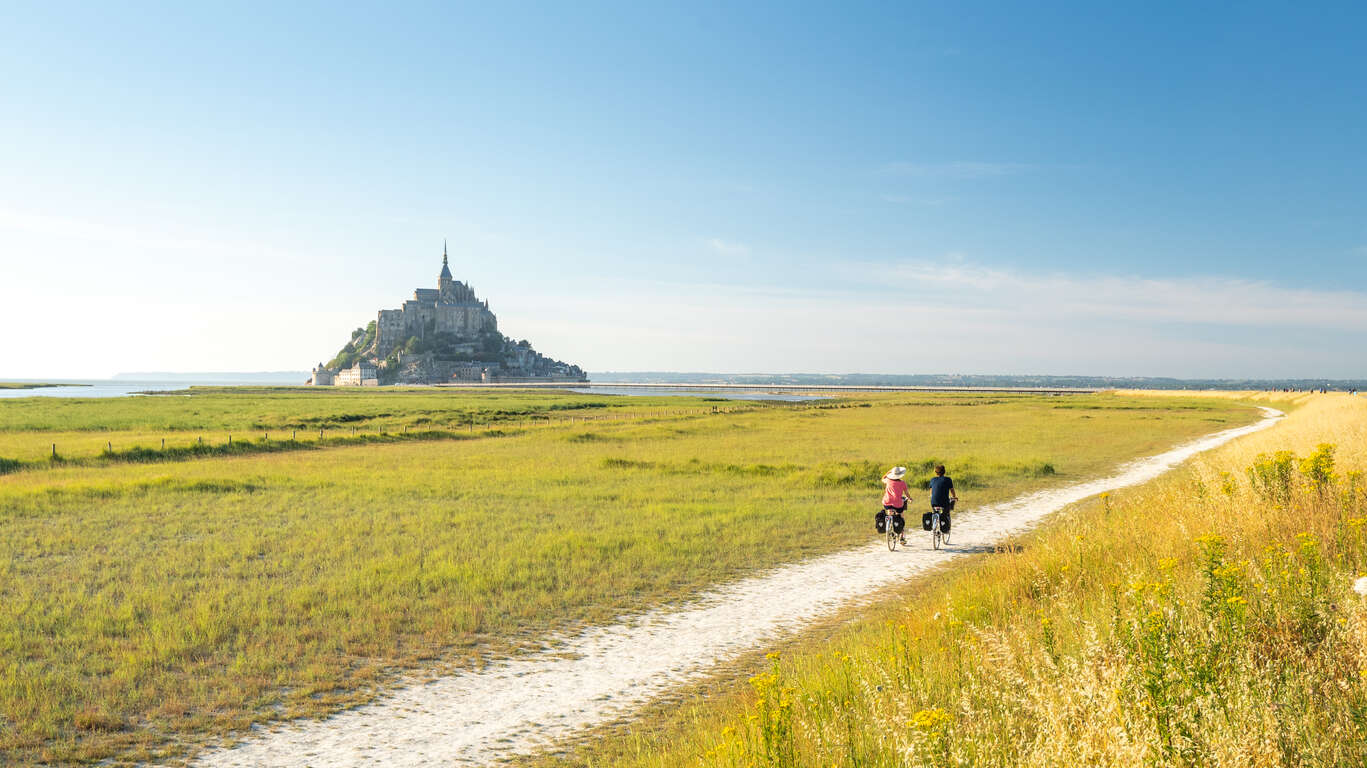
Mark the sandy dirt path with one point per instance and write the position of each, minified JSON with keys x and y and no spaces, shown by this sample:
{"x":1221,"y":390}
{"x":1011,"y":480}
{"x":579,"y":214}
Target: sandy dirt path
{"x":527,"y":703}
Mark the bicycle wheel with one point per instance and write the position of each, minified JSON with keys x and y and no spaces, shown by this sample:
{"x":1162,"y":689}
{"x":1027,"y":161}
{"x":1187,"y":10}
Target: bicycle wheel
{"x":935,"y":531}
{"x":892,"y":537}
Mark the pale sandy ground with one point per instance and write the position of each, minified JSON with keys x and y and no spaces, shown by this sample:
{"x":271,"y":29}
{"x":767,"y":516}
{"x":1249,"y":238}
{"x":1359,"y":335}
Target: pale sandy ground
{"x":518,"y":706}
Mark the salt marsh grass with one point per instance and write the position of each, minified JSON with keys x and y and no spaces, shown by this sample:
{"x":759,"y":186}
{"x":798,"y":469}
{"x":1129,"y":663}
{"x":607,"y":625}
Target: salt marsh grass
{"x":146,"y":605}
{"x":76,"y":429}
{"x":1206,"y":618}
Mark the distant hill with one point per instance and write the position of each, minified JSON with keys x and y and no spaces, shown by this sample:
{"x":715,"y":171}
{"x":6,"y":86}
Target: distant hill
{"x":964,"y":380}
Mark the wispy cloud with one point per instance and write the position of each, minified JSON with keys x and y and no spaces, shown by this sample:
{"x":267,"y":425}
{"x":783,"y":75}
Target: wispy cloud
{"x":98,"y":233}
{"x":957,"y":170}
{"x":727,"y":247}
{"x":105,"y":235}
{"x":955,"y":315}
{"x":1211,"y":300}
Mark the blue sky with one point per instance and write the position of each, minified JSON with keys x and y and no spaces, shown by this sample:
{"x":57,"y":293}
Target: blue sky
{"x":1140,"y":189}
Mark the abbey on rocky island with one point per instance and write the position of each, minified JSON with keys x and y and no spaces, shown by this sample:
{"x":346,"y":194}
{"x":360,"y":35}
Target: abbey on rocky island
{"x":441,"y":335}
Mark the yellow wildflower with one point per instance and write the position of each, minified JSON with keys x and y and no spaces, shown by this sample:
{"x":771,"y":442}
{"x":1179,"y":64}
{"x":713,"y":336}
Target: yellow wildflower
{"x":935,"y":719}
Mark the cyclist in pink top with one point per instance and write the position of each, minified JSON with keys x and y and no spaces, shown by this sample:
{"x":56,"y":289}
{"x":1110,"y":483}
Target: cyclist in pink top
{"x":895,"y":499}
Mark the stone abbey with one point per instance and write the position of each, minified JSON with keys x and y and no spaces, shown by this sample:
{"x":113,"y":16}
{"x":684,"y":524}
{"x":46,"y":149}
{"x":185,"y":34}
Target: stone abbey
{"x":441,"y":335}
{"x":451,"y":308}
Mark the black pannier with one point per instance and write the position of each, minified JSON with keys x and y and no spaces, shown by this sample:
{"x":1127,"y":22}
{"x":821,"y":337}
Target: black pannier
{"x":880,"y":521}
{"x":944,"y":521}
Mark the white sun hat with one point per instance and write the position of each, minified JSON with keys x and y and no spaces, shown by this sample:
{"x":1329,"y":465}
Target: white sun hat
{"x":896,"y":473}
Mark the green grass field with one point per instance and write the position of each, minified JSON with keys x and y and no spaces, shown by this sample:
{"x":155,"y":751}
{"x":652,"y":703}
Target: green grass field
{"x":1205,"y":618}
{"x":147,"y":603}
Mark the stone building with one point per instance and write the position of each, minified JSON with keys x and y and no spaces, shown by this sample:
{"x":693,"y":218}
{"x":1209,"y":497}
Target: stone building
{"x":322,"y":377}
{"x":362,"y":374}
{"x":451,"y":307}
{"x":470,"y":371}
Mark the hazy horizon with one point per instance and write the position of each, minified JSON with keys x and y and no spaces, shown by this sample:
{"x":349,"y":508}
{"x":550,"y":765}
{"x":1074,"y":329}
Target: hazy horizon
{"x":681,"y":377}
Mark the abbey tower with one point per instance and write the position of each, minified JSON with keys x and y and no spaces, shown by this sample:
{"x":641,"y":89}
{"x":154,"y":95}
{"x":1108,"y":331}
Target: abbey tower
{"x":452,"y":308}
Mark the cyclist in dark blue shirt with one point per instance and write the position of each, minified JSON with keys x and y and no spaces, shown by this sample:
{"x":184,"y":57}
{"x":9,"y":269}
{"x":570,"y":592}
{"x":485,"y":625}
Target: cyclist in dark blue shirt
{"x":942,"y":495}
{"x":941,"y":489}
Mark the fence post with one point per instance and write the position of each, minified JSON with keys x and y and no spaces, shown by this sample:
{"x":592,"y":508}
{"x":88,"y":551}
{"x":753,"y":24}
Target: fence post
{"x":163,"y":443}
{"x":230,"y":438}
{"x":54,"y":450}
{"x":109,"y":447}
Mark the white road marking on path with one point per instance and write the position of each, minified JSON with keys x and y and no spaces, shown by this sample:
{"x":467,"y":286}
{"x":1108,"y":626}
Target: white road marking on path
{"x":529,"y":702}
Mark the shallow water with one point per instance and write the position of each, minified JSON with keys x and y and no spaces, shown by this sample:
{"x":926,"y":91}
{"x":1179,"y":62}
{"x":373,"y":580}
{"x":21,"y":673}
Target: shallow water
{"x":712,"y":394}
{"x":121,"y":388}
{"x":106,"y":388}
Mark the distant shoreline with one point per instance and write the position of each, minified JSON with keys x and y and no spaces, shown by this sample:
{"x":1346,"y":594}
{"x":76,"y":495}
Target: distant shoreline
{"x":34,"y":385}
{"x":984,"y":381}
{"x":216,"y":378}
{"x":145,"y":381}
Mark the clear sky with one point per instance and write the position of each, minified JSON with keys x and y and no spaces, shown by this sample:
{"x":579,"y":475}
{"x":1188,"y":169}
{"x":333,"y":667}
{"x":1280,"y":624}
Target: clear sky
{"x":1172,"y":189}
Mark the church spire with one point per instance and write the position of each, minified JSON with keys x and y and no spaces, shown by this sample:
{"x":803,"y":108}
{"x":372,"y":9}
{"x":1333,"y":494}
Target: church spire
{"x":445,"y":270}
